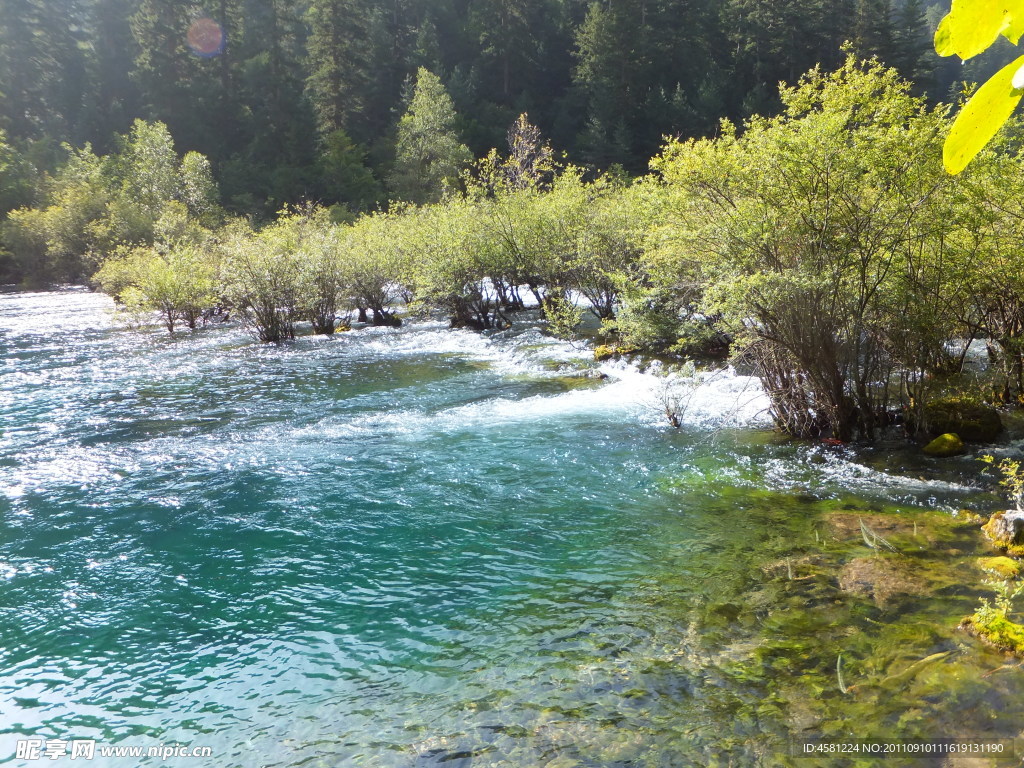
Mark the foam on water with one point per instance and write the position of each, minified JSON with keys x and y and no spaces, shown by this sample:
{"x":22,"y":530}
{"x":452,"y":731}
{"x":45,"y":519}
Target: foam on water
{"x":721,"y":400}
{"x":838,"y":471}
{"x":50,"y":313}
{"x":521,"y":350}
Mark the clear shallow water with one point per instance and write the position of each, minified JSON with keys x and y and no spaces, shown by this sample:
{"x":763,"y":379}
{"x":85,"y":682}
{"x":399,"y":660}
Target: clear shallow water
{"x":431,"y":548}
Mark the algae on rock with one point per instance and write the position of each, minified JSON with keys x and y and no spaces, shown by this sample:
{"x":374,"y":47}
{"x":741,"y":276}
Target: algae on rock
{"x":1002,"y":567}
{"x":882,"y":578}
{"x":947,"y":444}
{"x":1005,"y":530}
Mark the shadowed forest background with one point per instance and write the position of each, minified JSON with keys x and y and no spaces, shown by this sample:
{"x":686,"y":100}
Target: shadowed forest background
{"x":294,"y":101}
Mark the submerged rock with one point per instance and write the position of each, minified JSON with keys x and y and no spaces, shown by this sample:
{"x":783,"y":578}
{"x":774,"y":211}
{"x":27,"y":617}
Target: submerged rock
{"x":880,"y":578}
{"x":973,"y":422}
{"x":948,"y":444}
{"x":795,"y":567}
{"x":934,"y":531}
{"x":845,"y":526}
{"x":1006,"y":530}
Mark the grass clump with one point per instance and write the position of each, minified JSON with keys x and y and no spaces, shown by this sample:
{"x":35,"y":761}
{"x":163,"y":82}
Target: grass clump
{"x":991,"y":623}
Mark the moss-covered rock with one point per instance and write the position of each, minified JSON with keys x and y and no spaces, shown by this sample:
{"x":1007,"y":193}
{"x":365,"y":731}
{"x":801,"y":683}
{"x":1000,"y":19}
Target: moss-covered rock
{"x":973,"y":422}
{"x":948,"y":444}
{"x":610,"y":352}
{"x":1005,"y":568}
{"x":992,"y":627}
{"x":1006,"y":530}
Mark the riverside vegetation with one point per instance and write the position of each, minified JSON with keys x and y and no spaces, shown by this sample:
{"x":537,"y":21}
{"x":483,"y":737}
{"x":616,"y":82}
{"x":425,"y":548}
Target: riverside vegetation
{"x":824,"y":248}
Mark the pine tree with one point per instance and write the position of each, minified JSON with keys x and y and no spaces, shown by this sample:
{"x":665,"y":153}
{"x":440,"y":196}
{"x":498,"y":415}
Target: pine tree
{"x":508,"y":42}
{"x":873,"y":29}
{"x":346,"y":178}
{"x":114,"y":96}
{"x":274,"y":160}
{"x":163,"y":68}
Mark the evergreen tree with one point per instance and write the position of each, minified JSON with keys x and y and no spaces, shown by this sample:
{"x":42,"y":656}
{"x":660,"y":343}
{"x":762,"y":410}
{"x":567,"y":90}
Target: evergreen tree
{"x":912,"y":42}
{"x":426,"y":50}
{"x":337,"y":56}
{"x":630,"y":56}
{"x":164,"y":69}
{"x":274,"y":160}
{"x":262,"y":97}
{"x":113,"y":94}
{"x":510,"y":37}
{"x":346,"y":178}
{"x":16,"y":182}
{"x":428,"y":153}
{"x":778,"y":40}
{"x":43,"y":69}
{"x":611,"y":48}
{"x":873,"y":29}
{"x":400,"y":36}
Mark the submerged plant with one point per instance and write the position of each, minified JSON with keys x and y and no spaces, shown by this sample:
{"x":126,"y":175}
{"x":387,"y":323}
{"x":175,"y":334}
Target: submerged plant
{"x":875,"y":541}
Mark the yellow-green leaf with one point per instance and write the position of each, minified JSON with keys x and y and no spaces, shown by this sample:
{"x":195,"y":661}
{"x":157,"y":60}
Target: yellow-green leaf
{"x":981,"y":117}
{"x":971,"y":26}
{"x":944,"y":38}
{"x":1014,"y":22}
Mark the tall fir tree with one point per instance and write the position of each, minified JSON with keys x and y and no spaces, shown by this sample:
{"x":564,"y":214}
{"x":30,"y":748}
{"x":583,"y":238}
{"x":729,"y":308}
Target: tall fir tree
{"x":612,"y":51}
{"x":337,"y":62}
{"x":912,"y":43}
{"x":114,"y":95}
{"x":873,"y":29}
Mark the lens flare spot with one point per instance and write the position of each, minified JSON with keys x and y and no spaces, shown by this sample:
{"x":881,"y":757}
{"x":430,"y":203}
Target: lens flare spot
{"x":205,"y":37}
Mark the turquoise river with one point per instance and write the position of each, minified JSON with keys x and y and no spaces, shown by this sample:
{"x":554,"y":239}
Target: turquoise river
{"x":427,"y":548}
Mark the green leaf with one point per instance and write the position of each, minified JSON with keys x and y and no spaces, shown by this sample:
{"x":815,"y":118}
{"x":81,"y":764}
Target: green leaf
{"x":981,"y":118}
{"x":971,"y":26}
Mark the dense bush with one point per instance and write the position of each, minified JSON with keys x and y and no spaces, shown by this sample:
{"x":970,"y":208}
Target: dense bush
{"x":95,"y":205}
{"x":831,"y":243}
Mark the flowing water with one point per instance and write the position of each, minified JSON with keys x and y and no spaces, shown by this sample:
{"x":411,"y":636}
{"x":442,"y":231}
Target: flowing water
{"x":423,"y":547}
